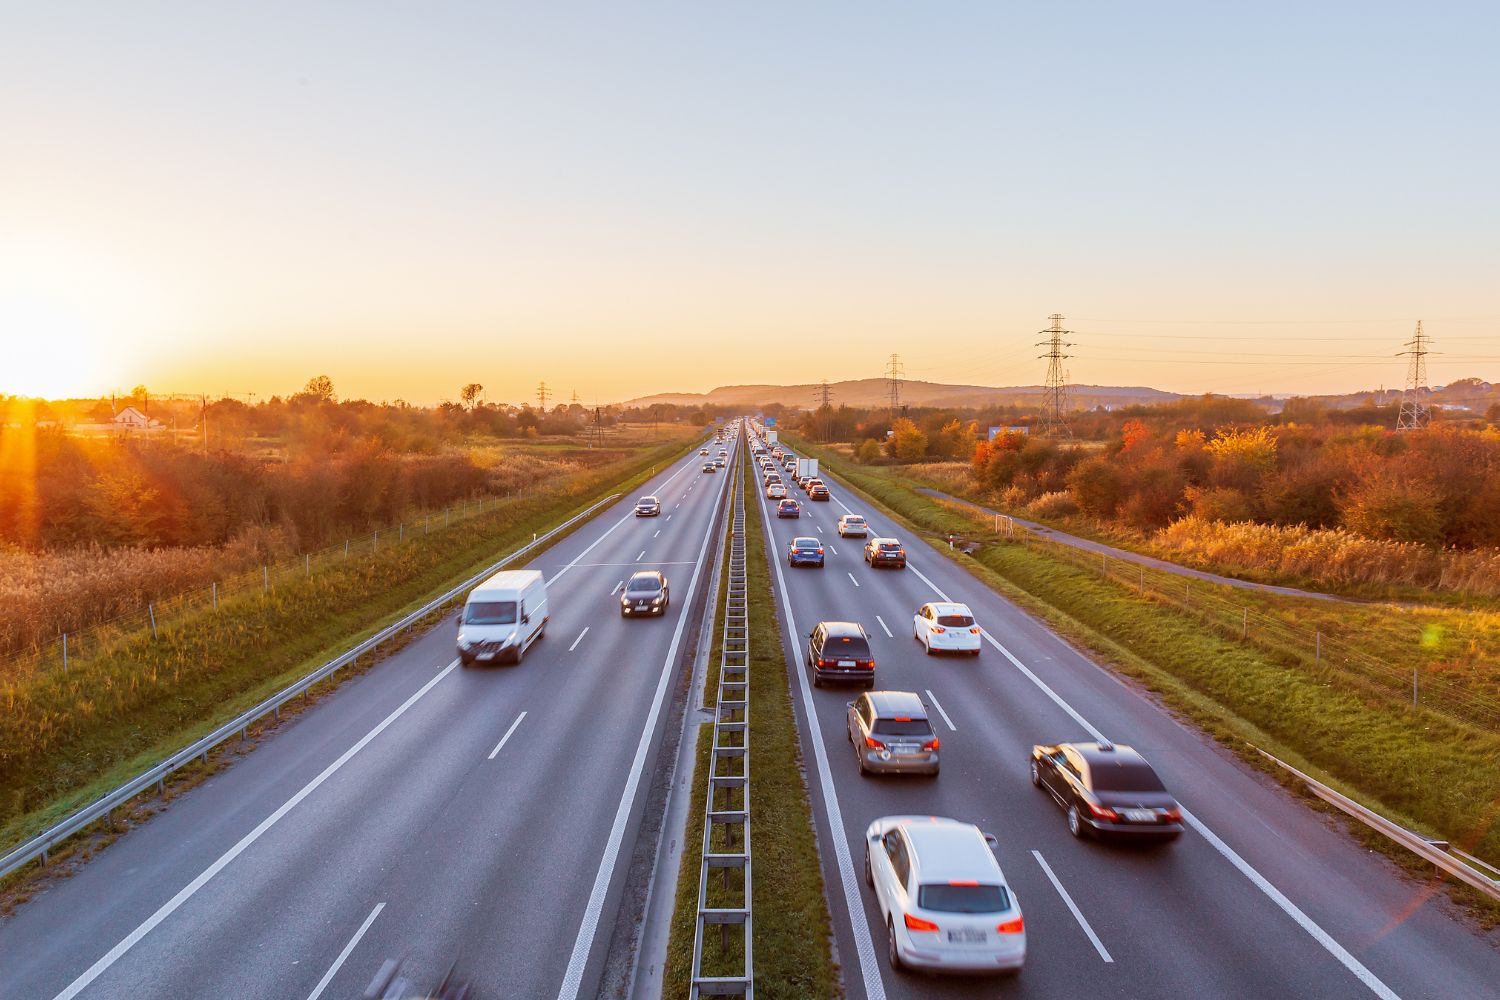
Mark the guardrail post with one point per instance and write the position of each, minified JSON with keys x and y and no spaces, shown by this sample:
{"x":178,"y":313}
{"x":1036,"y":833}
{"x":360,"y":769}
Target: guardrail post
{"x":151,"y":610}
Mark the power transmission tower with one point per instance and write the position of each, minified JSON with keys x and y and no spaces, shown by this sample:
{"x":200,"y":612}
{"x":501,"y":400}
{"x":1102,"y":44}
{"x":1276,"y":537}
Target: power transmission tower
{"x":542,"y":392}
{"x":893,"y":373}
{"x":575,"y":397}
{"x":825,"y":395}
{"x":1414,"y":414}
{"x":825,"y":408}
{"x":1055,"y":393}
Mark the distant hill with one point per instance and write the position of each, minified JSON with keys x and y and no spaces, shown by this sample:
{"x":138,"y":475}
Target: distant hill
{"x":876,"y":392}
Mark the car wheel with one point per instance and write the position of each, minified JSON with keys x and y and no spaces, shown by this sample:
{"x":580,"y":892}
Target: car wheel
{"x":859,"y":759}
{"x":817,"y":681}
{"x":869,"y":872}
{"x":928,"y":645}
{"x":1036,"y":774}
{"x":892,"y":952}
{"x":520,"y":653}
{"x":1075,"y":823}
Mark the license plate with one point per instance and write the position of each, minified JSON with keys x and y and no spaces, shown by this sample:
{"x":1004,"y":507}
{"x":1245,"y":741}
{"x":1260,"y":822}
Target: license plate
{"x":968,"y":936}
{"x":903,"y":748}
{"x":1140,"y":815}
{"x":846,"y":663}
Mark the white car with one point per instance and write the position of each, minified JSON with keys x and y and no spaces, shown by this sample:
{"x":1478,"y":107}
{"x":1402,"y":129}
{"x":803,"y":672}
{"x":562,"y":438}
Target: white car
{"x":945,"y":902}
{"x":775,"y":491}
{"x":942,"y":627}
{"x":853,"y":526}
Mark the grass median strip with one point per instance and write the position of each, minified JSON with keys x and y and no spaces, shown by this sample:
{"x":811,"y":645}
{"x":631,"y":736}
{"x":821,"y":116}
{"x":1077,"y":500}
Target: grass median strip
{"x":67,"y":737}
{"x":792,"y":950}
{"x":1420,"y":768}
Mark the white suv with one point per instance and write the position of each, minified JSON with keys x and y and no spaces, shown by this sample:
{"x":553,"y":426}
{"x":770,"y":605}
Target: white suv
{"x":945,"y":902}
{"x":853,"y":526}
{"x":942,"y":627}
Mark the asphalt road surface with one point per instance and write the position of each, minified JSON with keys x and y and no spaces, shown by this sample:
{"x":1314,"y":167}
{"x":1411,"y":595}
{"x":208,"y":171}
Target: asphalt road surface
{"x":1258,"y":898}
{"x":481,"y":815}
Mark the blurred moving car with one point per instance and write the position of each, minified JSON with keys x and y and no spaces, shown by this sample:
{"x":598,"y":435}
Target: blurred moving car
{"x":646,"y":593}
{"x":805,"y":551}
{"x":788,"y":508}
{"x":853,"y":526}
{"x":502,"y":617}
{"x":775,"y":491}
{"x":944,"y":899}
{"x":946,"y":627}
{"x":1107,"y":790}
{"x":885,"y":552}
{"x":648,"y":507}
{"x":710,"y":467}
{"x":891,"y":734}
{"x":840,"y":651}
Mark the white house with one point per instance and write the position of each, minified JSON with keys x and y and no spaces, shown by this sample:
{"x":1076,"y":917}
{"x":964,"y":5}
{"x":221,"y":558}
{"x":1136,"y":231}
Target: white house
{"x":131,"y":419}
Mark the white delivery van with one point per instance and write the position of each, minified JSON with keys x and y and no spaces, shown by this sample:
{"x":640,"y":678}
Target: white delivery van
{"x":807,"y":468}
{"x":502,"y":617}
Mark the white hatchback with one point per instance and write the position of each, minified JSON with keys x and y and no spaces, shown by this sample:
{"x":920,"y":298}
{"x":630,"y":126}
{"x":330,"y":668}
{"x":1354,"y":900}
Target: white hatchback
{"x":853,"y":526}
{"x":775,"y":491}
{"x":945,"y":902}
{"x":942,"y":627}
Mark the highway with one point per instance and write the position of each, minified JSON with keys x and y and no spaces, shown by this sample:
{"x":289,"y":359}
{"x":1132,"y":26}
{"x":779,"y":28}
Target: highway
{"x":1260,"y":897}
{"x":484,"y":815}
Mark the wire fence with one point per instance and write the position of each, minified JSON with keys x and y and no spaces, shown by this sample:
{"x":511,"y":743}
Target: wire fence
{"x":724,"y":902}
{"x":157,"y":616}
{"x":1417,"y":687}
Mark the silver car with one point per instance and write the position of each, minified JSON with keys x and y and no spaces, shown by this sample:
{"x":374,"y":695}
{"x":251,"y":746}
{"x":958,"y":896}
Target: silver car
{"x":891,"y":734}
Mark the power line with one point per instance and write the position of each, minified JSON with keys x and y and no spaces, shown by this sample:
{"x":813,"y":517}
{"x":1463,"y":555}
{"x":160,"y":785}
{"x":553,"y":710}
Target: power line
{"x":1054,"y":394}
{"x":1414,"y":414}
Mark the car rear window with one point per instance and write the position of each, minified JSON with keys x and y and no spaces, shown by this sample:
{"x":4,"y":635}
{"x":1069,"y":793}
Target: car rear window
{"x":490,"y":613}
{"x":854,"y":520}
{"x":643,"y":585}
{"x":1124,"y":778}
{"x":910,"y":727}
{"x":889,"y":546}
{"x":846,"y":647}
{"x":955,"y":621}
{"x":943,"y":897}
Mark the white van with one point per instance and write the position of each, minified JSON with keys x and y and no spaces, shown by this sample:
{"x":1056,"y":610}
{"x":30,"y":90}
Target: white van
{"x":502,"y":617}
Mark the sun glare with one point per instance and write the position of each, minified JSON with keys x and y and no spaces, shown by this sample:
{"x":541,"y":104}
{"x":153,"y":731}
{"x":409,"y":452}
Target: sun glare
{"x":50,"y":349}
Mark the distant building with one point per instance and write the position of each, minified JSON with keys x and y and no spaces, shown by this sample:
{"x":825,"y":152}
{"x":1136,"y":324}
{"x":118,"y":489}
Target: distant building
{"x":997,"y":431}
{"x":131,"y":419}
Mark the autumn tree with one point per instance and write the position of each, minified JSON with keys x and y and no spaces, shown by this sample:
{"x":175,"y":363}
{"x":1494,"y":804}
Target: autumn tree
{"x":907,"y":443}
{"x":470,"y":394}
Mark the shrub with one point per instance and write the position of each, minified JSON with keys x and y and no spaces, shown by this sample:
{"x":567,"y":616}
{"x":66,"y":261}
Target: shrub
{"x":1055,"y":504}
{"x":1098,"y":486}
{"x":868,"y":452}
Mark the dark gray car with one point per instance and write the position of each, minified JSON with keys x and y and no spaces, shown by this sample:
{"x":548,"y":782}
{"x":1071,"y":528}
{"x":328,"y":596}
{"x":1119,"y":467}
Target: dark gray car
{"x":891,"y":734}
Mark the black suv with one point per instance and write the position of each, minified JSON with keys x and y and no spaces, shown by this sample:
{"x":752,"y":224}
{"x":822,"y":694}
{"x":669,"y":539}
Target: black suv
{"x":840,"y":651}
{"x":1107,"y":790}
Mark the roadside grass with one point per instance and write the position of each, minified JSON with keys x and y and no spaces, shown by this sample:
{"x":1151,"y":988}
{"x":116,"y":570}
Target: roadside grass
{"x":792,"y":932}
{"x":1420,"y":768}
{"x":67,"y":737}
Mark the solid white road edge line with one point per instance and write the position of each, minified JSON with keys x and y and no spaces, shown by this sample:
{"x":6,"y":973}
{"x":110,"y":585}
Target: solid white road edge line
{"x":584,"y":943}
{"x":1072,"y":907}
{"x":939,"y":706}
{"x":581,"y":635}
{"x":869,"y":967}
{"x":186,"y":892}
{"x":1317,"y":933}
{"x":512,"y":729}
{"x":888,"y":633}
{"x":338,"y":963}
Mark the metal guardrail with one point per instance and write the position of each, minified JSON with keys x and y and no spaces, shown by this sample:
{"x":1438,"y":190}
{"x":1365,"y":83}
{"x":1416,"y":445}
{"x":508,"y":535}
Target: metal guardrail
{"x":726,"y":818}
{"x":41,"y":845}
{"x":1434,"y":852}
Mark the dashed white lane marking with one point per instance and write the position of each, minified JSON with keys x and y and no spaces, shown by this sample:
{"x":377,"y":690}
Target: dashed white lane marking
{"x":852,"y":580}
{"x":888,"y":633}
{"x":580,"y":638}
{"x":512,"y":729}
{"x":658,"y":531}
{"x":939,"y":706}
{"x":617,"y":588}
{"x":338,"y":963}
{"x":1077,"y":913}
{"x":641,"y":556}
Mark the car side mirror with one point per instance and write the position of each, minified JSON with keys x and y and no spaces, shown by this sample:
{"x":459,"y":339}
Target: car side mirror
{"x":458,"y":619}
{"x":849,"y":704}
{"x":992,"y":840}
{"x":525,"y":619}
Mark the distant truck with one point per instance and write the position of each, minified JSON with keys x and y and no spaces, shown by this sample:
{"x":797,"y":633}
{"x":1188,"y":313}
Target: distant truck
{"x":807,"y":468}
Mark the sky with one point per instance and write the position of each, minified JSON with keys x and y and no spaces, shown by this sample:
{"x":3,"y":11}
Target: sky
{"x":620,"y":199}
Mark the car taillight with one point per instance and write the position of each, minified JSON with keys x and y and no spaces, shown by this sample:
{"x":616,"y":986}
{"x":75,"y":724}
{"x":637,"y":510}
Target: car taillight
{"x":820,"y":552}
{"x":873,"y":743}
{"x":865,"y":664}
{"x":932,"y":744}
{"x":1172,"y":815}
{"x":918,"y":924}
{"x":1103,"y":812}
{"x":824,"y":663}
{"x":939,"y":629}
{"x":1015,"y":926}
{"x":974,"y":630}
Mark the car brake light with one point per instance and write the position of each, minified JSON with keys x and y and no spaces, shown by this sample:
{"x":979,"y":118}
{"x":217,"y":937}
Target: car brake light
{"x":932,"y":744}
{"x":873,"y":743}
{"x":1103,"y":812}
{"x":962,"y":881}
{"x":1015,"y":926}
{"x":939,"y":629}
{"x":903,"y":718}
{"x":918,"y":924}
{"x":975,"y":630}
{"x":1172,"y":815}
{"x":865,"y":664}
{"x":820,"y":551}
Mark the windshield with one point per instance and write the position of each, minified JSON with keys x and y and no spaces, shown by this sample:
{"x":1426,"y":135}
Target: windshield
{"x":963,"y":898}
{"x":1124,"y":778}
{"x":490,"y":613}
{"x":895,"y":727}
{"x":955,"y":621}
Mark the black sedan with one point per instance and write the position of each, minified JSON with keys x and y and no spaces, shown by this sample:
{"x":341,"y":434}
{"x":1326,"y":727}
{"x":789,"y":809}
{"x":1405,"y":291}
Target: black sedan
{"x":789,"y":508}
{"x":645,"y":593}
{"x":1107,"y":790}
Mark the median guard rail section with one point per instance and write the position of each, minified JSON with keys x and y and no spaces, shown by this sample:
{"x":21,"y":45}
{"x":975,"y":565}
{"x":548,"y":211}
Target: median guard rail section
{"x":41,"y":845}
{"x":726,"y":819}
{"x":1434,"y":852}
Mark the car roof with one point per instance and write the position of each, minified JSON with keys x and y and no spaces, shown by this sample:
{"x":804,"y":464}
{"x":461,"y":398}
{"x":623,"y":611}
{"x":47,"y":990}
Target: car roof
{"x":947,"y":850}
{"x":1106,"y":754}
{"x":888,"y":704}
{"x":843,"y":628}
{"x":950,"y":608}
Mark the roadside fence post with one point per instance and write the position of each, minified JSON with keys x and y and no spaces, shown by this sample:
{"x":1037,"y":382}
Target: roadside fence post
{"x":1143,"y":581}
{"x":1245,"y":624}
{"x":307,"y":564}
{"x":265,"y":578}
{"x":402,"y":529}
{"x":1318,"y":651}
{"x":377,"y":542}
{"x":216,"y":594}
{"x":1414,"y":698}
{"x":1103,"y":563}
{"x":65,"y":652}
{"x":346,"y":548}
{"x":151,"y":610}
